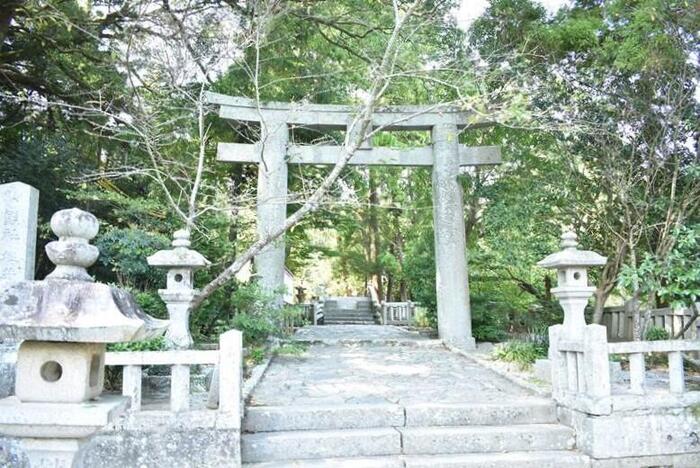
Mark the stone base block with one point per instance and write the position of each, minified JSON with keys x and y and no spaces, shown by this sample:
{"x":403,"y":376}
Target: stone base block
{"x":657,"y":432}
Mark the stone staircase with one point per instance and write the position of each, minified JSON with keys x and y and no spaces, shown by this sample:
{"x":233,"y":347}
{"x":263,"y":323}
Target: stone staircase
{"x":518,"y":433}
{"x":348,"y":311}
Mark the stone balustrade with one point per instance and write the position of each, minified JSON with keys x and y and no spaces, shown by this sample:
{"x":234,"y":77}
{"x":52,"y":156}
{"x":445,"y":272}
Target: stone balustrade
{"x":398,"y":313}
{"x":228,"y":358}
{"x":636,"y":351}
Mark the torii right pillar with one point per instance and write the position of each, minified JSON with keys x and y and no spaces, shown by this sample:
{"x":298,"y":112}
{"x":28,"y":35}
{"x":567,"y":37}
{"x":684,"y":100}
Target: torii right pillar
{"x":452,"y":282}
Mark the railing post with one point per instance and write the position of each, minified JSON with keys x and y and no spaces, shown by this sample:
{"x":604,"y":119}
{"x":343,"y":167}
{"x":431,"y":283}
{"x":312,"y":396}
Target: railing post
{"x":637,"y":373}
{"x":596,"y":363}
{"x":675,"y":372}
{"x":558,"y":363}
{"x":180,"y":388}
{"x":131,"y":385}
{"x":230,"y":373}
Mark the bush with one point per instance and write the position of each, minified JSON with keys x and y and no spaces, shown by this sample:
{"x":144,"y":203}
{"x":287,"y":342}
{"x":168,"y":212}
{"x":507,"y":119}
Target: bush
{"x":522,"y":353}
{"x":123,"y":252}
{"x":154,"y":344}
{"x":656,"y":334}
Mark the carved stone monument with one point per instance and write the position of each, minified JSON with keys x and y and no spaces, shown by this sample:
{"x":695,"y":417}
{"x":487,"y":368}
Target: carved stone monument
{"x":19,"y":204}
{"x":65,"y":322}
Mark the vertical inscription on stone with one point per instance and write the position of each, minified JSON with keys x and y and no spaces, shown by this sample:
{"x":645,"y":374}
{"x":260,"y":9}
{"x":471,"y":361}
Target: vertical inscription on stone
{"x":19,"y":204}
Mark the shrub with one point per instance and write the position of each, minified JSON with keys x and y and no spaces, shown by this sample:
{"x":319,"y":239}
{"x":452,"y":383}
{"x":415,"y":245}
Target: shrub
{"x":154,"y":344}
{"x":522,"y":353}
{"x":123,"y":252}
{"x":656,"y":334}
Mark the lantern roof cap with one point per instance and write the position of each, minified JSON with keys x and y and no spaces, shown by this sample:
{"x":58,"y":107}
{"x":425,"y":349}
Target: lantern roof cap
{"x":68,"y":305}
{"x":571,"y":256}
{"x":179,"y":256}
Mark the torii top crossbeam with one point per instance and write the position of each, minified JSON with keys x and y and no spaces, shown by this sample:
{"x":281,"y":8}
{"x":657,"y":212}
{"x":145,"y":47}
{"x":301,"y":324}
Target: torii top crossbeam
{"x":334,"y":117}
{"x":444,"y":156}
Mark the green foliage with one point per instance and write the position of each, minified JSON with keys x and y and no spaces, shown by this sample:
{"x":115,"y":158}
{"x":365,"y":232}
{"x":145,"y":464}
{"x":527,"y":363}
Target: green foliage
{"x":522,"y":353}
{"x":123,"y":252}
{"x":656,"y":334}
{"x":256,"y":315}
{"x":675,"y":279}
{"x":257,"y":355}
{"x":151,"y":303}
{"x":154,"y":344}
{"x":291,"y":349}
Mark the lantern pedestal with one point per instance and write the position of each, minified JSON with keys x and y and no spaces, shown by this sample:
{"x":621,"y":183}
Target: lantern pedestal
{"x":53,"y":433}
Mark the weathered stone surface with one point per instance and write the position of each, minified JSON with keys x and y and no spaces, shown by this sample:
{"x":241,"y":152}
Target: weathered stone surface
{"x":365,"y":374}
{"x":49,"y":420}
{"x":480,"y":439}
{"x":454,"y":316}
{"x":657,"y":431}
{"x":272,"y":203}
{"x":544,"y":459}
{"x":287,"y":418}
{"x":690,"y":460}
{"x":347,"y":334}
{"x":513,"y":411}
{"x":359,"y":462}
{"x":59,"y":372}
{"x":61,"y":310}
{"x":19,"y":204}
{"x":205,"y":448}
{"x":278,"y":446}
{"x":8,"y":357}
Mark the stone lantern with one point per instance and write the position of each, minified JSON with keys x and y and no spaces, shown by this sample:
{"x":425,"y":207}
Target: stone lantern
{"x":181,"y":263}
{"x":572,"y":289}
{"x":65,"y":322}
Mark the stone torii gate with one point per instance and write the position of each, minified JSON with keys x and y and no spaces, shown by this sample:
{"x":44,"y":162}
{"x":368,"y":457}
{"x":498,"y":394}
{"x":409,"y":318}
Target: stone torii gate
{"x":274,"y":152}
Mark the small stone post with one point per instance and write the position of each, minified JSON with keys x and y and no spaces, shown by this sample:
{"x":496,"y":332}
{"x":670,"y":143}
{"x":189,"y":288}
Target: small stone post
{"x":65,"y":322}
{"x":181,"y":263}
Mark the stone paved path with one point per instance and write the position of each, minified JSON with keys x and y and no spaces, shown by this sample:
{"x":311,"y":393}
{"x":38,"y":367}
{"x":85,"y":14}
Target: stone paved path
{"x":359,"y":373}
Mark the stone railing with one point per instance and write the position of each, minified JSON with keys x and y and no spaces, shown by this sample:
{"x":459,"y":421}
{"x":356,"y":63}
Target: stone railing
{"x":398,"y":313}
{"x":228,"y":359}
{"x":581,"y":370}
{"x":636,"y":351}
{"x":618,"y":321}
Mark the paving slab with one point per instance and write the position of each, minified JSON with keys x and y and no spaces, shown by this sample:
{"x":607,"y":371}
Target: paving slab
{"x":380,"y":373}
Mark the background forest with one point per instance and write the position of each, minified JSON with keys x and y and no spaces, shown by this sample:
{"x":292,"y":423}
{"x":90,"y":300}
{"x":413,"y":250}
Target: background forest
{"x":595,"y":108}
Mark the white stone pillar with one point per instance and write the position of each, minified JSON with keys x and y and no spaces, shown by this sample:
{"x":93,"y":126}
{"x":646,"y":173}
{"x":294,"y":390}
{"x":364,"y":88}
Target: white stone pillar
{"x":19,"y":204}
{"x":452,"y":283}
{"x":272,"y":202}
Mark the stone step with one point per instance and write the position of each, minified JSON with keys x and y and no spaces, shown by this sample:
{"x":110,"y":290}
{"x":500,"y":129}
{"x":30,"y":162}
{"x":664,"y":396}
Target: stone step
{"x":486,"y":439}
{"x":349,"y":322}
{"x":300,"y":445}
{"x":540,"y":459}
{"x":364,"y":462}
{"x":356,"y":416}
{"x":349,"y":317}
{"x":544,"y":459}
{"x":524,"y":411}
{"x":299,"y":418}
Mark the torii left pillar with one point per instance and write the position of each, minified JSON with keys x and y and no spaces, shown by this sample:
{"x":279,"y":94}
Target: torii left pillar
{"x":272,"y":203}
